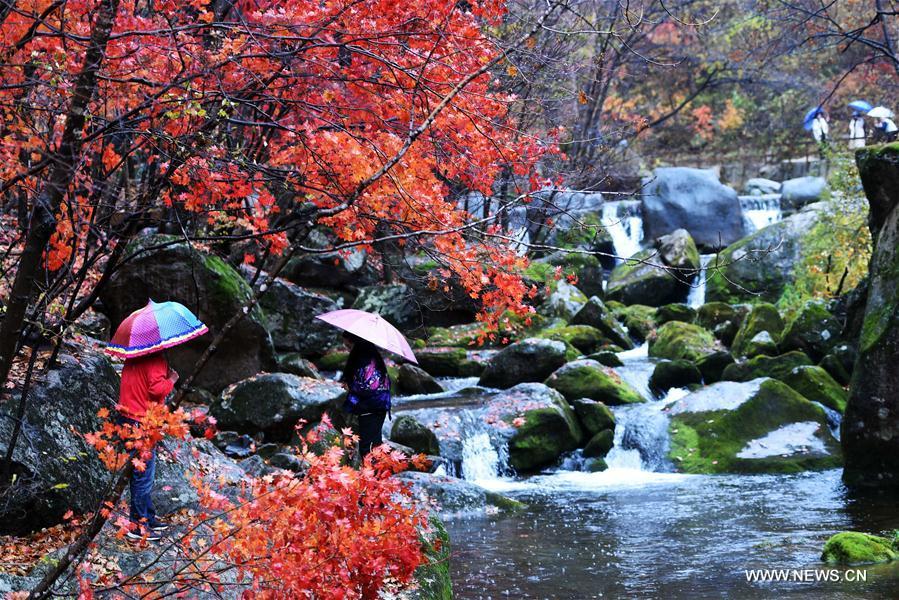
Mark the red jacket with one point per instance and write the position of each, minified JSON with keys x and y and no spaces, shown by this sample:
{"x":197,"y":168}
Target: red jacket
{"x":144,"y":380}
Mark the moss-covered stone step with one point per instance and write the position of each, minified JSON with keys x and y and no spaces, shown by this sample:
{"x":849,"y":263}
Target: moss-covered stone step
{"x":855,"y":548}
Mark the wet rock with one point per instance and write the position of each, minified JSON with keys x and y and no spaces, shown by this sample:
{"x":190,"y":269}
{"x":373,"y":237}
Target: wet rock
{"x":564,"y":301}
{"x":600,"y":444}
{"x":656,"y":276}
{"x":455,"y":497}
{"x":594,"y":416}
{"x":94,"y":324}
{"x":796,"y":193}
{"x":448,"y":362}
{"x":295,"y":364}
{"x":669,"y":374}
{"x":333,"y":360}
{"x":336,"y":269}
{"x":589,"y":379}
{"x":586,"y":267}
{"x":274,"y":402}
{"x":584,"y":338}
{"x":432,"y":577}
{"x":836,"y":366}
{"x":712,"y":365}
{"x":394,"y":302}
{"x":675,"y":312}
{"x":855,"y":548}
{"x":287,"y":462}
{"x":410,"y":432}
{"x":208,"y":286}
{"x":290,"y":312}
{"x":529,"y":360}
{"x":56,"y":470}
{"x":415,"y":380}
{"x":255,"y":466}
{"x":695,"y":200}
{"x":608,"y":358}
{"x":761,"y":265}
{"x":818,"y":386}
{"x":777,"y":367}
{"x":761,"y":426}
{"x":682,"y":340}
{"x":723,"y":320}
{"x":813,"y":331}
{"x":763,"y":318}
{"x":759,"y":186}
{"x":639,"y":319}
{"x":596,"y":314}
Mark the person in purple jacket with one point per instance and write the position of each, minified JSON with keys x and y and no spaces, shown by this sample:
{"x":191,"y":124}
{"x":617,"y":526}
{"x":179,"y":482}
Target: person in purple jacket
{"x":368,"y":391}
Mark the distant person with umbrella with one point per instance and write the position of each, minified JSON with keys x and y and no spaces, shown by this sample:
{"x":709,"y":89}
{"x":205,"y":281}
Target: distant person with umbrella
{"x":857,"y":129}
{"x":885,"y":129}
{"x":365,"y":373}
{"x":821,"y":132}
{"x":147,"y":378}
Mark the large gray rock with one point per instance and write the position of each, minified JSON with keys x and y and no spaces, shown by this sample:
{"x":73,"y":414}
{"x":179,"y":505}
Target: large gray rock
{"x":165,"y":268}
{"x":290,"y":312}
{"x":329,"y":269}
{"x":415,"y":380}
{"x":529,"y":360}
{"x":870,"y":430}
{"x":564,"y":301}
{"x":394,"y":302}
{"x":761,"y":265}
{"x":56,"y":470}
{"x":455,"y":497}
{"x":274,"y":402}
{"x":695,"y":200}
{"x":595,"y":314}
{"x":657,"y":276}
{"x":759,"y":186}
{"x":796,"y":193}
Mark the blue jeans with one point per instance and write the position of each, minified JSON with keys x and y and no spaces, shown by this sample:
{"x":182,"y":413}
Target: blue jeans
{"x":141,"y":484}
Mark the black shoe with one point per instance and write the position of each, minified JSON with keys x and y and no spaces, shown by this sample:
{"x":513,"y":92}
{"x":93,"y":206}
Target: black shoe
{"x":142,"y":533}
{"x":159,"y":526}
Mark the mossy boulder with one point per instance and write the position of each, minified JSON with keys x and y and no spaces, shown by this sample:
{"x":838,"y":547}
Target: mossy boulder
{"x":639,"y":319}
{"x":544,"y":436}
{"x":594,"y":416}
{"x":432,"y":577}
{"x":761,"y":343}
{"x":333,"y":360}
{"x":447,"y":362}
{"x":589,"y":379}
{"x":273,"y":403}
{"x":712,"y":365}
{"x":645,"y":279}
{"x":608,"y":358}
{"x":529,"y":360}
{"x":395,"y":302}
{"x":817,"y":385}
{"x":855,"y":548}
{"x":564,"y":301}
{"x":600,"y":444}
{"x":722,"y":319}
{"x":596,"y":314}
{"x":207,"y":285}
{"x":586,"y":267}
{"x":761,"y":426}
{"x":675,"y":312}
{"x":584,"y":338}
{"x":676,"y":339}
{"x":411,"y":380}
{"x":761,"y":265}
{"x":453,"y":497}
{"x":408,"y":431}
{"x":777,"y":367}
{"x":763,"y":317}
{"x":836,"y":368}
{"x":295,"y":364}
{"x":669,"y":374}
{"x":813,"y":330}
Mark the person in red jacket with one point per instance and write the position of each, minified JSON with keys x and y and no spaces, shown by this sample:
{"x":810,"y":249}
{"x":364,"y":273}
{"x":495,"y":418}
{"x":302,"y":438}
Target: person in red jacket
{"x":145,"y":379}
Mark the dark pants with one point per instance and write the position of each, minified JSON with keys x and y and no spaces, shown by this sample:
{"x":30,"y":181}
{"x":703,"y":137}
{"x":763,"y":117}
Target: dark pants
{"x":370,"y":425}
{"x":141,"y":485}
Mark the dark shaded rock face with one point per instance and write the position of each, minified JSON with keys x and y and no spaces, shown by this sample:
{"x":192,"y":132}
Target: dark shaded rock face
{"x":657,"y":276}
{"x":692,"y":199}
{"x":529,"y":360}
{"x":56,"y":469}
{"x":870,"y":431}
{"x":208,"y":286}
{"x":333,"y":269}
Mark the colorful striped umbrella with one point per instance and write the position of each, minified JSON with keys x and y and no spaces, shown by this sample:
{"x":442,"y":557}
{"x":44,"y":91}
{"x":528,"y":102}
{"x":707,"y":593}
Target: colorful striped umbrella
{"x":155,"y":327}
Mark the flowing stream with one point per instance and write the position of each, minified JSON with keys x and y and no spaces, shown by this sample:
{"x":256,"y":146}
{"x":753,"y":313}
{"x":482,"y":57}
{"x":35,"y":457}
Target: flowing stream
{"x":640,"y":530}
{"x":623,"y":222}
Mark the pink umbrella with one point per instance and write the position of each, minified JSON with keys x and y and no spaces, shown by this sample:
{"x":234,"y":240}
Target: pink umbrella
{"x":371,"y":327}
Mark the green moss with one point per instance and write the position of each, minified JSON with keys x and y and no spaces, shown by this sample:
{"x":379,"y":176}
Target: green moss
{"x":854,"y":548}
{"x":817,"y":385}
{"x":600,"y":444}
{"x":442,"y":362}
{"x":778,"y":367}
{"x":675,"y":312}
{"x":585,"y":338}
{"x":433,"y":576}
{"x":708,"y":442}
{"x":639,"y":319}
{"x":504,"y":503}
{"x":764,"y":317}
{"x":589,"y":379}
{"x":593,"y":416}
{"x":676,"y":339}
{"x":333,"y":361}
{"x":588,"y":233}
{"x":542,"y":438}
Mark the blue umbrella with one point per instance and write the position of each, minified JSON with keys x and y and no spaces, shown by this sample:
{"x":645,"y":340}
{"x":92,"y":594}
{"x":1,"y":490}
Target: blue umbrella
{"x":809,"y":117}
{"x":860,"y":105}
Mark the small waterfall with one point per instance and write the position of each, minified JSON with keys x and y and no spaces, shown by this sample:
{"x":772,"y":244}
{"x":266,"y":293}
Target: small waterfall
{"x":625,"y":226}
{"x":760,"y":211}
{"x":696,"y":298}
{"x":480,"y":460}
{"x":641,"y":436}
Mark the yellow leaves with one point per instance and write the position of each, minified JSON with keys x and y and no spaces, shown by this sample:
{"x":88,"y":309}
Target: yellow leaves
{"x":512,"y":70}
{"x":582,"y":97}
{"x":731,"y":118}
